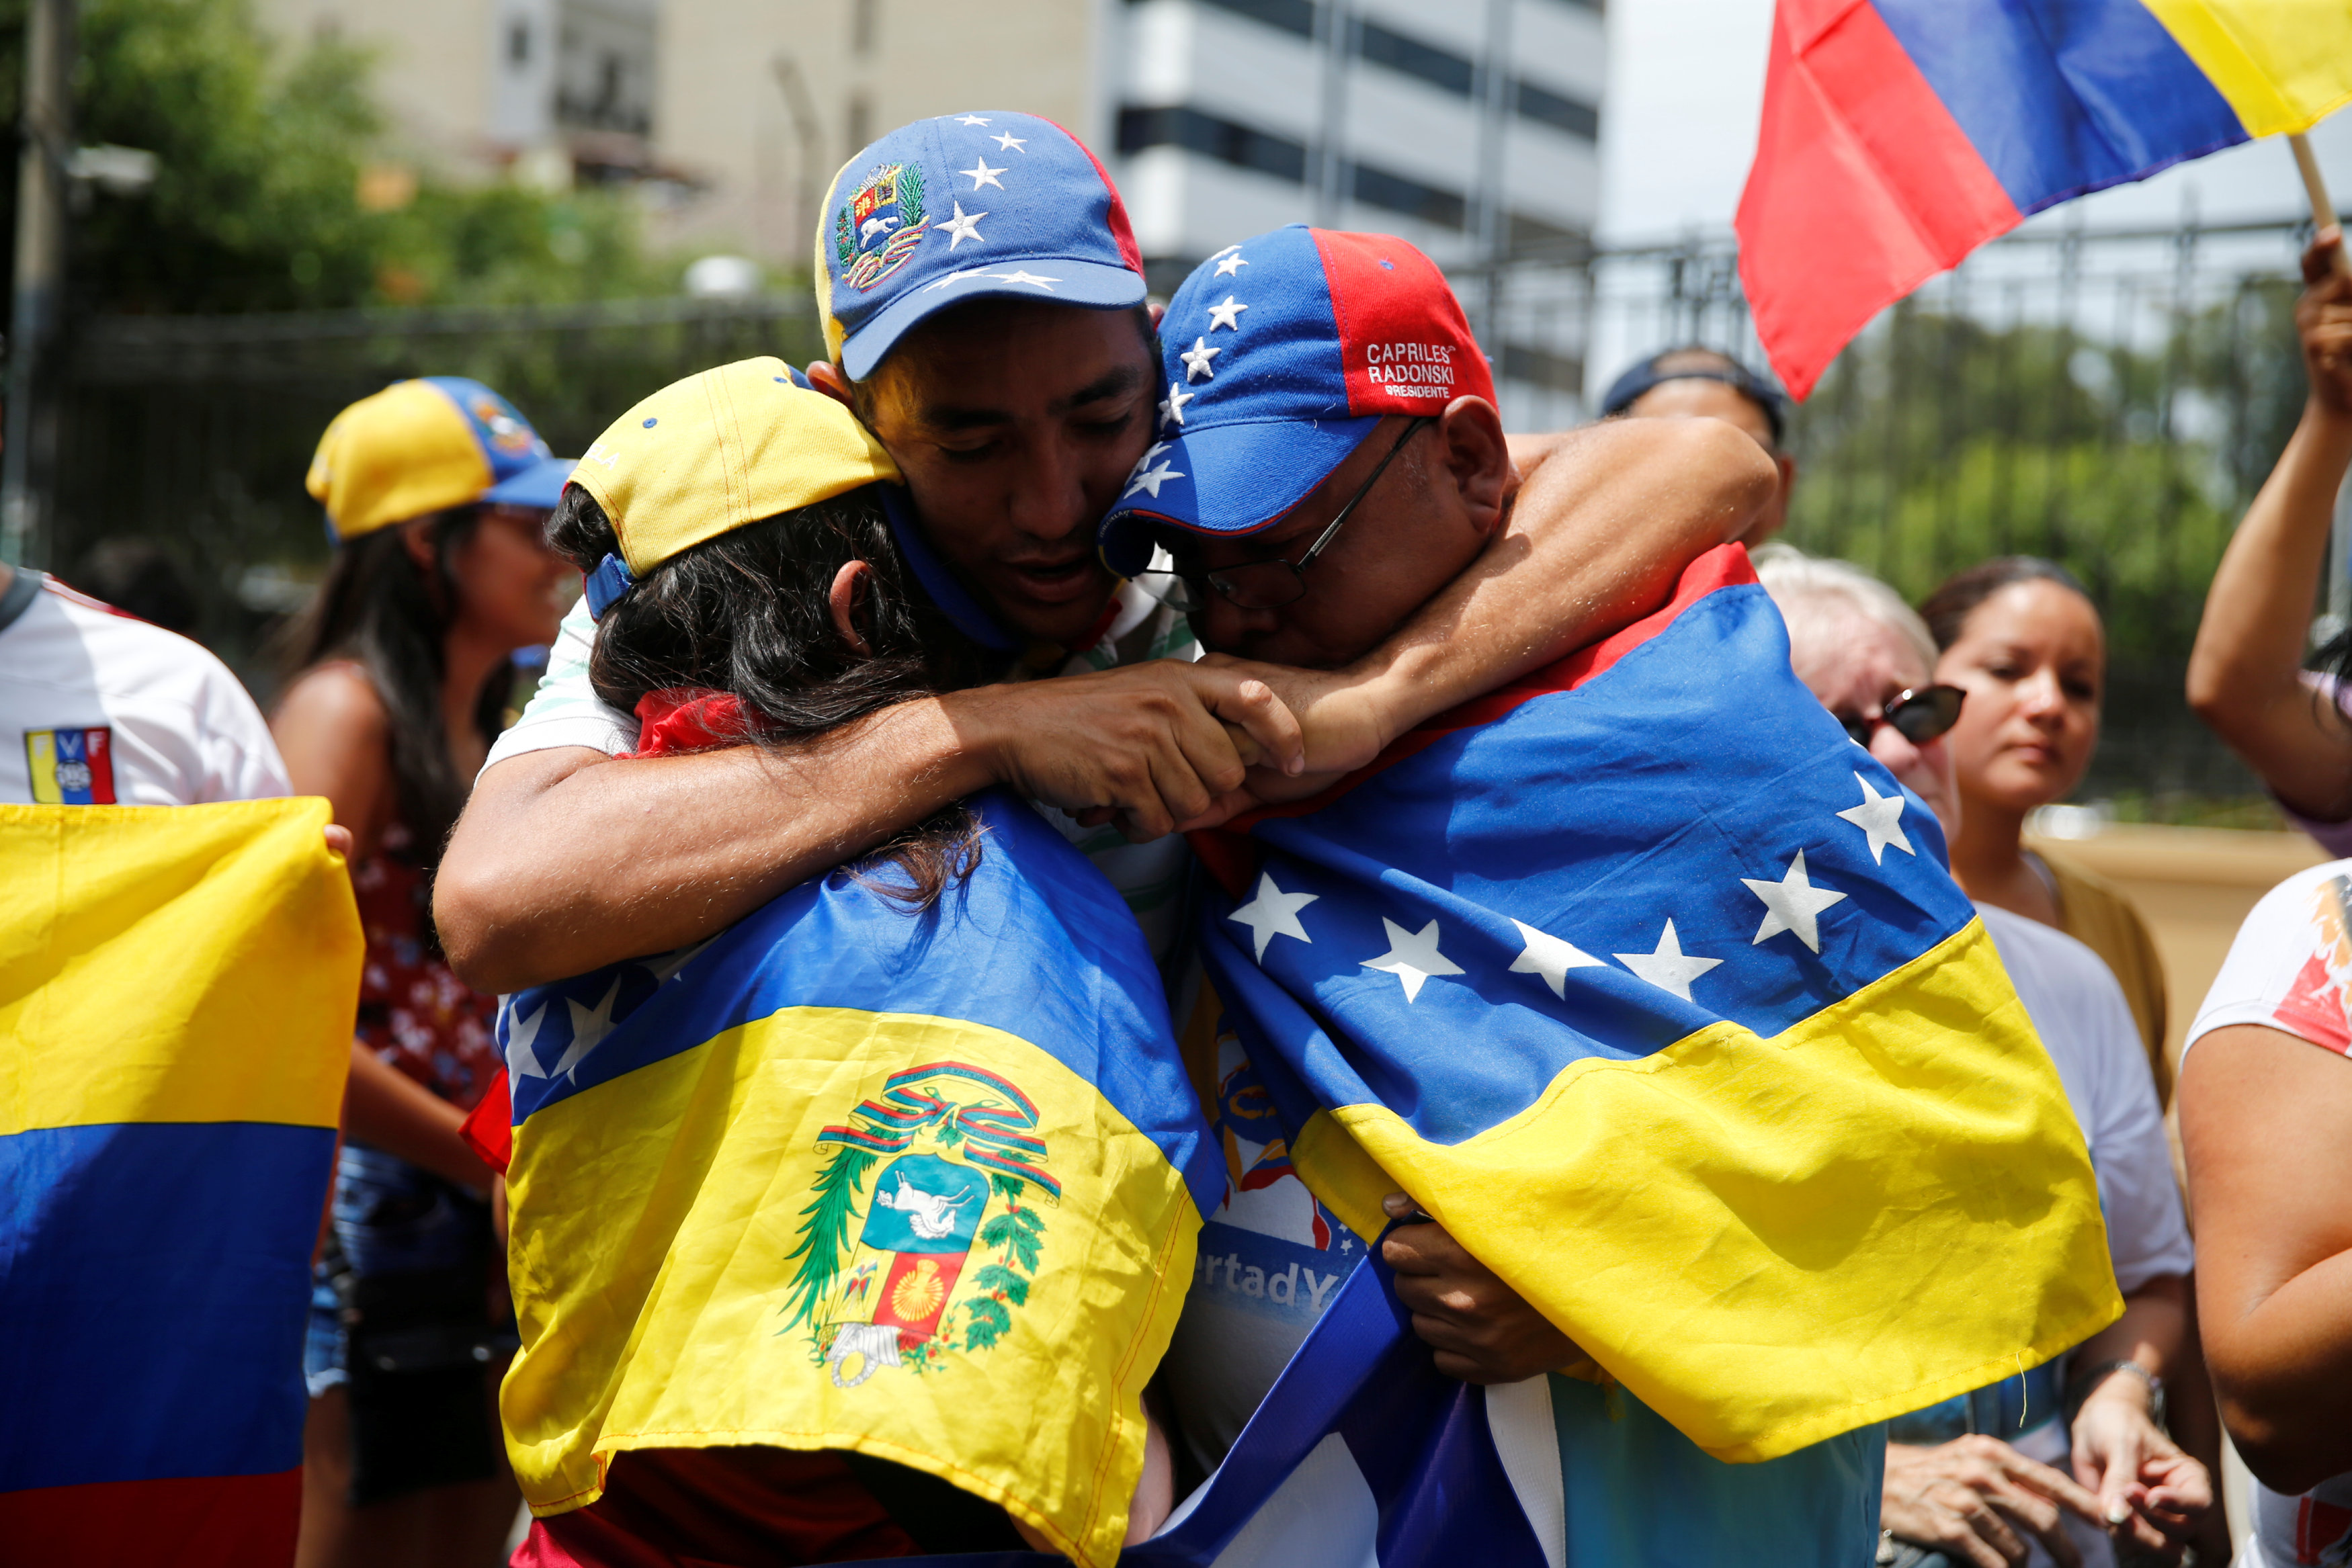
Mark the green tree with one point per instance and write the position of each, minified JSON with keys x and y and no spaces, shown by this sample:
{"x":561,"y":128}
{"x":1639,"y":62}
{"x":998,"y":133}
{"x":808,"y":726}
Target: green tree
{"x":256,"y":203}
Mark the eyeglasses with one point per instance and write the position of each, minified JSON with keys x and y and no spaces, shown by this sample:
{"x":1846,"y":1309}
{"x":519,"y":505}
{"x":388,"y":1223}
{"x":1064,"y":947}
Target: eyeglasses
{"x":1919,"y":716}
{"x":1272,"y":583}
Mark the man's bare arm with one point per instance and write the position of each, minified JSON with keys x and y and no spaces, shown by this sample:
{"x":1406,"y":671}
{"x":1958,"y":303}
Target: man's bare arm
{"x":566,"y":860}
{"x":1596,"y":540}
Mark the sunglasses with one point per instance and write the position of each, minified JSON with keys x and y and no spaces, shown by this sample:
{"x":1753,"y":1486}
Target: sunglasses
{"x":1919,"y":716}
{"x":1273,"y":583}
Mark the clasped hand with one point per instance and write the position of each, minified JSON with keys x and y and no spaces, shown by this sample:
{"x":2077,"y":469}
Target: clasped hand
{"x":1980,"y":1501}
{"x":1482,"y":1330}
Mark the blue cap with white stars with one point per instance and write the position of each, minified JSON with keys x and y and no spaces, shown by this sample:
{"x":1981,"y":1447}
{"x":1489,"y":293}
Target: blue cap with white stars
{"x":987,"y":204}
{"x":1282,"y":353}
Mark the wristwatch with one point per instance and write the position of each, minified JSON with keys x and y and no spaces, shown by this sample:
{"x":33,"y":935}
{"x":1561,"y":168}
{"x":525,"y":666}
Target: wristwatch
{"x":2083,"y":1384}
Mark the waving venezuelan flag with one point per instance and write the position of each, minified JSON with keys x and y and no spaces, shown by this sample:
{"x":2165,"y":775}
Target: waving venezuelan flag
{"x":922,"y":1187}
{"x":1898,"y":135}
{"x":176,"y":992}
{"x":1651,"y":987}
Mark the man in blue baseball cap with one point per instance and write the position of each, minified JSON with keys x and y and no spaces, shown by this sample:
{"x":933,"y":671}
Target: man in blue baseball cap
{"x":984,"y":303}
{"x":1697,"y":382}
{"x":1329,"y":466}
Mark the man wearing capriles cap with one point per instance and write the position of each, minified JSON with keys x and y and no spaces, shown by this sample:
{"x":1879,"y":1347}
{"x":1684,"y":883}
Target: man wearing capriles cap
{"x":983,"y":301}
{"x":1329,"y":459}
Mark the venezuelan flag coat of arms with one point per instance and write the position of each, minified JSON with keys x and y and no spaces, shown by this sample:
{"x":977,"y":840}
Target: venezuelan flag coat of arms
{"x":875,"y":231}
{"x":922,"y":1186}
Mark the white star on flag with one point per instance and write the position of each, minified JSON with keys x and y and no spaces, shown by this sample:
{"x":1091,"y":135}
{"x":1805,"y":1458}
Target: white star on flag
{"x":1023,"y":274}
{"x":1550,"y":956}
{"x":1149,"y":479}
{"x":663,"y":968}
{"x":980,"y":174}
{"x":1196,"y":361}
{"x":521,"y":1060}
{"x":589,"y":1028}
{"x":963,"y":226}
{"x":1231,"y":266}
{"x":1009,"y":142}
{"x":1792,"y":903}
{"x":960,"y":274}
{"x":1669,"y":968}
{"x":969,"y":119}
{"x":1171,"y":407}
{"x":1412,"y":957}
{"x":1272,"y":913}
{"x":1878,"y":817}
{"x":1226,"y":315}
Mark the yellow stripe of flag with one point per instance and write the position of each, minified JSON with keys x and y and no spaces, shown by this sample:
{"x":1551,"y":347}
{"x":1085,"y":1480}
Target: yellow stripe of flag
{"x":1772,"y":1241}
{"x":2283,"y":65}
{"x":172,"y":964}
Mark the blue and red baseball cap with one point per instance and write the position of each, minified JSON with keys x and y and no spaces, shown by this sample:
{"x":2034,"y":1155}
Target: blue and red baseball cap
{"x":1282,"y":353}
{"x":990,"y":203}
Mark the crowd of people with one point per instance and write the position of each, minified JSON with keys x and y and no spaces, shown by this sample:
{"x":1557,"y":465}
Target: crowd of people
{"x":1025,"y":550}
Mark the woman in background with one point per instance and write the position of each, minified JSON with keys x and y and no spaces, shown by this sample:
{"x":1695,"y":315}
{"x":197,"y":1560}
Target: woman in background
{"x":2265,"y":1090}
{"x":437,"y":493}
{"x":2022,"y":638}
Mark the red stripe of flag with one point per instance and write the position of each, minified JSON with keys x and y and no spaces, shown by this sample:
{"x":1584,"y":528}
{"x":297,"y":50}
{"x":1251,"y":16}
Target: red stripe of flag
{"x":199,"y":1521}
{"x":1863,"y":186}
{"x":1232,"y":856}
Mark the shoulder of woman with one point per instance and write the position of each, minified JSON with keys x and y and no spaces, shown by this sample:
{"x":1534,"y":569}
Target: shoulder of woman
{"x":334,"y":698}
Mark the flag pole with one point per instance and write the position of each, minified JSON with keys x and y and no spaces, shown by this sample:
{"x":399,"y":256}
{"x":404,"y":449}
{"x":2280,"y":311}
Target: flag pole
{"x":2323,"y":211}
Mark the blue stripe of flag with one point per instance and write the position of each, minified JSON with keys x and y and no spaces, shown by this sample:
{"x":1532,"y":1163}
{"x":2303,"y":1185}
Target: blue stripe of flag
{"x":154,"y":1281}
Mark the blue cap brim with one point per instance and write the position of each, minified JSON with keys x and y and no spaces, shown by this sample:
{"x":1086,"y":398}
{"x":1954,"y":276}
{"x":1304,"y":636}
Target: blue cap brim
{"x":540,"y":486}
{"x":1228,"y":479}
{"x":1089,"y":283}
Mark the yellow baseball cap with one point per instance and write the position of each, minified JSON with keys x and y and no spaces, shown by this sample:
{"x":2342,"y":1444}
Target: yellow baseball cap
{"x":721,"y":449}
{"x":424,"y":445}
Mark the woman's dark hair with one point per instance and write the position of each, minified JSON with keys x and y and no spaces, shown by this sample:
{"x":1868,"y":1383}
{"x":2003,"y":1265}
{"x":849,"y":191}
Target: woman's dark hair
{"x":1948,"y":609}
{"x":378,"y":610}
{"x":749,"y":613}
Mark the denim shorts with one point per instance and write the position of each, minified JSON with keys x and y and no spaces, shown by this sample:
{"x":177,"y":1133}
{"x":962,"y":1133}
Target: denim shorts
{"x":400,"y":1316}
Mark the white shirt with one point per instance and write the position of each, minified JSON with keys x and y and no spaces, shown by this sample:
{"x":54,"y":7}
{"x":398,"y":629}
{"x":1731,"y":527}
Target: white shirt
{"x":97,"y":707}
{"x":2290,"y":969}
{"x":2079,"y":1011}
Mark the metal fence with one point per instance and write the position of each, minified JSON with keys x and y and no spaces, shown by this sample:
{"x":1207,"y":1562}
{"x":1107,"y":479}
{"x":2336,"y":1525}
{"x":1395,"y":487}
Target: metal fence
{"x":2109,"y":400}
{"x":192,"y":434}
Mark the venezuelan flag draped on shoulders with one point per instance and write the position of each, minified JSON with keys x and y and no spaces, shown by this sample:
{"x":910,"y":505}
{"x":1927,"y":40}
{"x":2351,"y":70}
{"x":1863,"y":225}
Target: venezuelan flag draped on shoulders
{"x":924,"y":1187}
{"x":177,"y":994}
{"x":1651,"y":987}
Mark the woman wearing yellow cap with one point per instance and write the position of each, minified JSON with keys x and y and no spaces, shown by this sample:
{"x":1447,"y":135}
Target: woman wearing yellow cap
{"x":858,"y":1230}
{"x":436,"y":493}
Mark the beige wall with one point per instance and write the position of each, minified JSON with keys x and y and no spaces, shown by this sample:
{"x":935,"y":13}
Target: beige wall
{"x":433,"y":64}
{"x":725,"y":114}
{"x":2194,"y":886}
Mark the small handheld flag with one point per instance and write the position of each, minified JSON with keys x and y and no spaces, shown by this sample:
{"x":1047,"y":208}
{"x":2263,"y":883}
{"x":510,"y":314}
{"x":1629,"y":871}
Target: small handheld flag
{"x":1898,"y":135}
{"x":177,"y":986}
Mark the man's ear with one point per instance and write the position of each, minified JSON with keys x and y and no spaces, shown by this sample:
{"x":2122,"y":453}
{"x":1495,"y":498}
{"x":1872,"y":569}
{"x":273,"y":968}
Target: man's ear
{"x":827,"y":378}
{"x":1478,"y":456}
{"x":847,"y":604}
